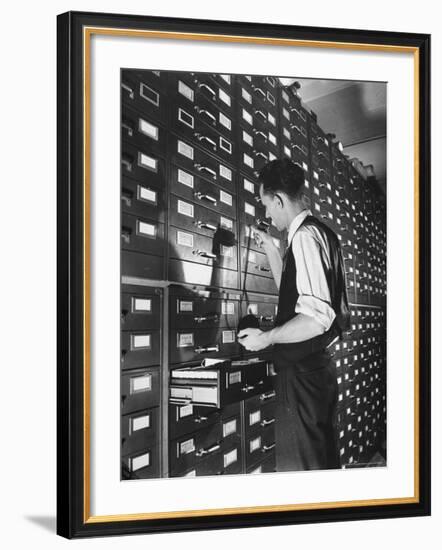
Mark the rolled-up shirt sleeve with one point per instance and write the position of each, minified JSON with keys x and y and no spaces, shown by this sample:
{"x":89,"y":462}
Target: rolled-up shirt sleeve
{"x":312,"y":263}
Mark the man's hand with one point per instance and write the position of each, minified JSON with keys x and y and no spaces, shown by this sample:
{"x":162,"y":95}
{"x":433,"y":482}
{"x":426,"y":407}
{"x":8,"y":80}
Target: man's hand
{"x":254,"y":339}
{"x":263,"y":239}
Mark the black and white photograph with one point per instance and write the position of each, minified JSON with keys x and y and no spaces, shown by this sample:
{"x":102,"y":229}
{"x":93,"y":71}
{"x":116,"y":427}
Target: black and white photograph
{"x":253,"y":274}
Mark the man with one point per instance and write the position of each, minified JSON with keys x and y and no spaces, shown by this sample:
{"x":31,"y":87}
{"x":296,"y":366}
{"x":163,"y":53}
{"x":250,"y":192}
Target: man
{"x":312,"y":313}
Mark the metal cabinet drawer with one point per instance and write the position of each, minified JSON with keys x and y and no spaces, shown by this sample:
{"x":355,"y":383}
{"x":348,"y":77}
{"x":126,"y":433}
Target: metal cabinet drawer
{"x":219,"y":198}
{"x":139,"y":265}
{"x":228,"y":460}
{"x":145,"y":91}
{"x":263,"y":399}
{"x":209,"y":275}
{"x":140,"y":390}
{"x":265,"y":466}
{"x":189,"y":449}
{"x":144,"y":167}
{"x":259,"y":418}
{"x":140,"y":309}
{"x":259,"y":444}
{"x":266,"y":311}
{"x":195,"y":344}
{"x":140,"y":348}
{"x":193,"y":159}
{"x":255,"y":262}
{"x":217,"y":139}
{"x":142,"y":464}
{"x":184,"y":419}
{"x":143,"y":133}
{"x":258,"y":283}
{"x":186,"y":245}
{"x":199,"y":219}
{"x":143,"y":199}
{"x":139,"y":431}
{"x":198,"y":312}
{"x":142,"y":235}
{"x":221,"y":384}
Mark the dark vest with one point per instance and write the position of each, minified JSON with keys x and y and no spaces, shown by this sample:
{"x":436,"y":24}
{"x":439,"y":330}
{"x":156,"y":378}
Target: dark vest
{"x":286,"y":355}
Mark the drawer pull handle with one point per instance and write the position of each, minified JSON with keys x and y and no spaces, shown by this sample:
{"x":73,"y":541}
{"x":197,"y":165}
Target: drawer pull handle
{"x":295,"y":110}
{"x":262,"y":223}
{"x":204,"y":225}
{"x":210,"y":450}
{"x":208,"y":88}
{"x":125,"y":234}
{"x":295,"y":127}
{"x":268,"y":395}
{"x":200,"y":419}
{"x":260,"y":154}
{"x":267,"y":448}
{"x":128,"y":128}
{"x":205,"y":197}
{"x":296,"y":146}
{"x":267,"y":318}
{"x":261,"y":114}
{"x":260,"y":133}
{"x":266,"y":422}
{"x":207,"y":349}
{"x":259,"y":90}
{"x":203,"y":254}
{"x":179,"y":401}
{"x":213,"y":317}
{"x":207,"y":113}
{"x":127,"y":162}
{"x":202,"y":137}
{"x":126,"y":197}
{"x":246,"y":389}
{"x":262,"y":268}
{"x":202,"y":168}
{"x":128,"y":90}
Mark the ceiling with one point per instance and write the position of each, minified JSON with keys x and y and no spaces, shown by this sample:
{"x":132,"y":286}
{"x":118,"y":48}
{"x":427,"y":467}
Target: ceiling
{"x":356,"y":113}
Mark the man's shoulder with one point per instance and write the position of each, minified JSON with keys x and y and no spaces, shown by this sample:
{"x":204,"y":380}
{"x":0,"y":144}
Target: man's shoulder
{"x":311,"y":222}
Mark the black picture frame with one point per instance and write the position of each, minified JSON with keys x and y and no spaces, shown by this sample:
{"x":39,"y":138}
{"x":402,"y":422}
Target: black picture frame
{"x":73,"y":519}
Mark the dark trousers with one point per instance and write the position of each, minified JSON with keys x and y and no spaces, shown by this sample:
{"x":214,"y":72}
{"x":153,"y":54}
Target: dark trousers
{"x":306,"y":399}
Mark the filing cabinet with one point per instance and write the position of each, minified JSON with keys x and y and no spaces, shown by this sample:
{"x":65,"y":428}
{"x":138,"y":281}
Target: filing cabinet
{"x":192,"y":145}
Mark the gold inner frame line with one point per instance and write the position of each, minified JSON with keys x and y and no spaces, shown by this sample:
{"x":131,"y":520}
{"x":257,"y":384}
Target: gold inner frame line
{"x":87,"y":33}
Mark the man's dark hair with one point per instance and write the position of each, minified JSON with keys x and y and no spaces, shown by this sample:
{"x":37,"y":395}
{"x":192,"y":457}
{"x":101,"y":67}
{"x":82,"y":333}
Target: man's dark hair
{"x":282,"y":175}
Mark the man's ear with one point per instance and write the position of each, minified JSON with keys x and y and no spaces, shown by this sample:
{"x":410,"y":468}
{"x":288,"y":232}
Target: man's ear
{"x":304,"y":199}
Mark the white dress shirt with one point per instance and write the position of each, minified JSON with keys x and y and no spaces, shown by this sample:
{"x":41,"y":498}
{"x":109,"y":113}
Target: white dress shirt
{"x":312,"y":257}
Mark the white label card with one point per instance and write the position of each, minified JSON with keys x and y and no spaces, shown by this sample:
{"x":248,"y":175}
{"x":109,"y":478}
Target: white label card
{"x":185,"y":208}
{"x":139,"y":423}
{"x":225,"y":198}
{"x":146,"y":228}
{"x":185,"y":178}
{"x":187,"y":447}
{"x":225,"y":172}
{"x":248,"y":161}
{"x":186,"y":410}
{"x":255,"y":444}
{"x":254,"y":417}
{"x":148,"y":129}
{"x":225,"y":222}
{"x":228,"y":336}
{"x":185,"y":150}
{"x":185,"y":90}
{"x":229,"y":427}
{"x":249,"y":186}
{"x":184,"y":239}
{"x":230,"y":457}
{"x":228,"y":308}
{"x":139,"y":462}
{"x":147,"y":162}
{"x":185,"y":340}
{"x":249,"y":209}
{"x":224,"y":97}
{"x":245,"y":94}
{"x":185,"y":306}
{"x":225,"y":121}
{"x":141,"y":304}
{"x":140,"y":341}
{"x":234,"y":377}
{"x":146,"y":194}
{"x":140,"y":383}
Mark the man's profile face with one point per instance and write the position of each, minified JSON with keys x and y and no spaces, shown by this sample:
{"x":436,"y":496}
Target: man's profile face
{"x":273,"y":208}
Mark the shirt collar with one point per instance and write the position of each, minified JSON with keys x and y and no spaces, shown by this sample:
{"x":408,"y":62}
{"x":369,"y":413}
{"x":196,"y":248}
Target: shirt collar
{"x":296,"y":222}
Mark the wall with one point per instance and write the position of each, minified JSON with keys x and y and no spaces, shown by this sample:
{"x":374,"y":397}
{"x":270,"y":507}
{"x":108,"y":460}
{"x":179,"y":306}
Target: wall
{"x":28,"y":276}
